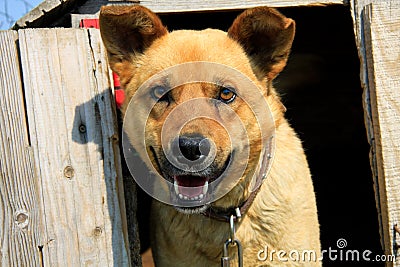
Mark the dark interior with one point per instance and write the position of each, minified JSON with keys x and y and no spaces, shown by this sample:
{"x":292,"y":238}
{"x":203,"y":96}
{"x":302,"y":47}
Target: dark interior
{"x":322,"y":93}
{"x":324,"y":102}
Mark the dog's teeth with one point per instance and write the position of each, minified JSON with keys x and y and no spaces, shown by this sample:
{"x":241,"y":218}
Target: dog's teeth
{"x":176,"y":187}
{"x":196,"y":198}
{"x":185,"y":198}
{"x":180,"y":196}
{"x":201,"y":196}
{"x":205,"y":188}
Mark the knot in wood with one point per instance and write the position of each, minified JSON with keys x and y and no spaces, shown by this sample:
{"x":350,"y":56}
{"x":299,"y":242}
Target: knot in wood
{"x":69,"y":172}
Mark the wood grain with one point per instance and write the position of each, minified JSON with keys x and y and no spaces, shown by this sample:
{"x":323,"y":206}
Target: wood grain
{"x":382,"y":52}
{"x":39,"y":11}
{"x":57,"y":10}
{"x":92,"y":6}
{"x":73,"y":134}
{"x":20,"y":227}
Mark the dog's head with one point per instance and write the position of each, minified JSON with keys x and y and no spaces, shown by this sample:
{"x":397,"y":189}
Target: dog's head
{"x":199,"y":150}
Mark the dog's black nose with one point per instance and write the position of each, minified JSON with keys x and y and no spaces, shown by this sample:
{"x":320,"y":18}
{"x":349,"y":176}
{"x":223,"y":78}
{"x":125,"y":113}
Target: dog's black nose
{"x":193,"y":147}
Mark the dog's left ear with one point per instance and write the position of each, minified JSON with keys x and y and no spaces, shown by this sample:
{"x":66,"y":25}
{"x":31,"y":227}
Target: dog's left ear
{"x":266,"y":36}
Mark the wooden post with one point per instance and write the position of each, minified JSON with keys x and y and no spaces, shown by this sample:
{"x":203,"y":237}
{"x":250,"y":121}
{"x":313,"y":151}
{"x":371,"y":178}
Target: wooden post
{"x":61,"y":186}
{"x":73,"y":132}
{"x":20,"y":226}
{"x":377,"y":27}
{"x":382,"y":46}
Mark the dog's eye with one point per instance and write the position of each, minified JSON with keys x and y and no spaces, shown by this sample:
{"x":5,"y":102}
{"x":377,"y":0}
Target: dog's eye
{"x":226,"y":95}
{"x":159,"y":93}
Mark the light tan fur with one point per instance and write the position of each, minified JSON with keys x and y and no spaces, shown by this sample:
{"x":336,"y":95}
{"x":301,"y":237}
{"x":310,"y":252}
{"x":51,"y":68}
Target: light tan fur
{"x":283,"y":216}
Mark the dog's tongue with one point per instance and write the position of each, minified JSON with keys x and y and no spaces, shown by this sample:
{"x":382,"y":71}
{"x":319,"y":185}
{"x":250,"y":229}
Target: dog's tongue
{"x":190,"y":186}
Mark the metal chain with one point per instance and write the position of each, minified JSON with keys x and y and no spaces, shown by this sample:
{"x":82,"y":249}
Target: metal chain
{"x":232,"y":242}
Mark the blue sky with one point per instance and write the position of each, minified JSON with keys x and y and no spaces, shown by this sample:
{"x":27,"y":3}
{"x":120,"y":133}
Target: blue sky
{"x":12,"y":10}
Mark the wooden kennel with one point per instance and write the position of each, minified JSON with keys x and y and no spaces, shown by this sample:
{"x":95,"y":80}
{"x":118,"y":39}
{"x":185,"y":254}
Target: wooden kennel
{"x":62,"y":198}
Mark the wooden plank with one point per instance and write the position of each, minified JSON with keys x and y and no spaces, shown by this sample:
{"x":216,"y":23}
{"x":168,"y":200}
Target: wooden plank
{"x":357,"y":7}
{"x":184,"y":6}
{"x":40,"y":11}
{"x":382,"y":47}
{"x":49,"y":11}
{"x":73,"y":133}
{"x":93,"y":6}
{"x":20,"y":226}
{"x":377,"y":34}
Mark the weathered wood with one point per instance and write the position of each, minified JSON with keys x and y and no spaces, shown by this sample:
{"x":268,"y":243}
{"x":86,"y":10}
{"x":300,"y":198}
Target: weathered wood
{"x":73,"y":134}
{"x":92,"y":6}
{"x":357,"y":7}
{"x":382,"y":50}
{"x":20,"y":226}
{"x":49,"y":11}
{"x":43,"y":9}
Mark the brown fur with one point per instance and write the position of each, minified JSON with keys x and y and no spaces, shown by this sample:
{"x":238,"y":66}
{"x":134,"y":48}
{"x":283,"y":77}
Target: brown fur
{"x":283,"y":215}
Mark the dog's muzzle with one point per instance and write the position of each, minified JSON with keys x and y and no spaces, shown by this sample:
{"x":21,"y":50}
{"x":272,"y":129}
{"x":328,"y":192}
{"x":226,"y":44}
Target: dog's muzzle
{"x":192,"y":160}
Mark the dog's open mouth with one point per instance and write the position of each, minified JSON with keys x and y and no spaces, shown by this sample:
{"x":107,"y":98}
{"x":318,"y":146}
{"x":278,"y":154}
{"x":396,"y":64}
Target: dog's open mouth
{"x":190,"y":188}
{"x":191,"y":193}
{"x":194,"y":191}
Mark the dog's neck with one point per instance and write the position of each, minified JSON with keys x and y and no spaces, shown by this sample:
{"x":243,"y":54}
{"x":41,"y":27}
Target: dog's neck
{"x":259,"y":176}
{"x":225,"y":214}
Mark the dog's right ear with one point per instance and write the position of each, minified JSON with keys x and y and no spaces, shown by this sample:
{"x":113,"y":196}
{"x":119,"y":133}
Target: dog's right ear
{"x":127,"y":31}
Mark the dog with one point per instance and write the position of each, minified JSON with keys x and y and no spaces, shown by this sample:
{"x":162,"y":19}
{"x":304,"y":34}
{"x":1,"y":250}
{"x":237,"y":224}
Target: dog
{"x":267,"y":221}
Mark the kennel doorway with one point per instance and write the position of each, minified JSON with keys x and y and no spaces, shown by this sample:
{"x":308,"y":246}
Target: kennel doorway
{"x":321,"y":90}
{"x":340,"y":126}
